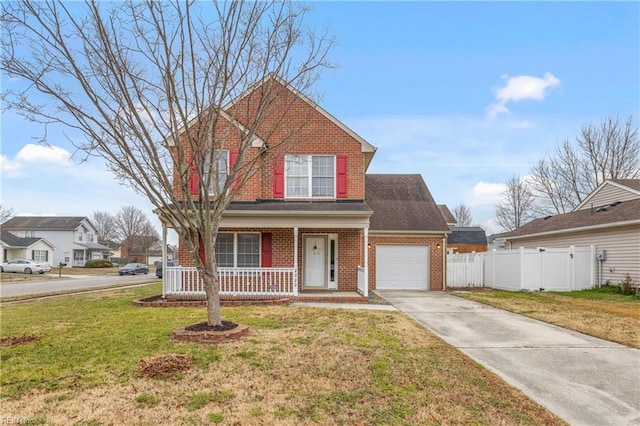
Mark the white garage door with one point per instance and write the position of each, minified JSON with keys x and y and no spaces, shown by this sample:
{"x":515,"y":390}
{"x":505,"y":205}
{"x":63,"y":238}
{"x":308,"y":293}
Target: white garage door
{"x":401,"y":267}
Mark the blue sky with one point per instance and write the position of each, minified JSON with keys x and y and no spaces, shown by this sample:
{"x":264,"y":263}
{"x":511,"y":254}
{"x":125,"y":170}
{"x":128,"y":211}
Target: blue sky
{"x":465,"y":93}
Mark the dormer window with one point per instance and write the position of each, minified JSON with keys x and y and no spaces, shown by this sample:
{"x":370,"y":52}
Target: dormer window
{"x":310,"y":176}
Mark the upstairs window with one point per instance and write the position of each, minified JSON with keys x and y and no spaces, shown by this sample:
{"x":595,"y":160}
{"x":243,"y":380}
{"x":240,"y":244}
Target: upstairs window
{"x":310,"y":176}
{"x":219,"y":171}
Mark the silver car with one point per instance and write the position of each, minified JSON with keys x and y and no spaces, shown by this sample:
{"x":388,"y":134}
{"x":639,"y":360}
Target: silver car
{"x":25,"y":266}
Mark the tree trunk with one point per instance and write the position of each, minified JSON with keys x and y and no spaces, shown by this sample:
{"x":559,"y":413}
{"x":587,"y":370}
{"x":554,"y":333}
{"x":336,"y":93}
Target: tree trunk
{"x":212,"y":289}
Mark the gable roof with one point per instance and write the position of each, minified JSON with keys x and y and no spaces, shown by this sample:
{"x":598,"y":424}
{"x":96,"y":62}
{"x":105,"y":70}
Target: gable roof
{"x":45,"y":223}
{"x":447,"y":215}
{"x":467,"y":235}
{"x":402,"y":203}
{"x":611,"y":215}
{"x":630,"y":185}
{"x":10,"y":240}
{"x":366,"y":147}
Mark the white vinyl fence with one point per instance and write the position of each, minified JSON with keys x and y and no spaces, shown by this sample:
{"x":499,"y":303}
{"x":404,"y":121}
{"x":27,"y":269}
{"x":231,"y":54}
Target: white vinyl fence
{"x":553,"y":269}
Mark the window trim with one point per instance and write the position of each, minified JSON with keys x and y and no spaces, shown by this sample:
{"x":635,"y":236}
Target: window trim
{"x":235,"y":249}
{"x":224,"y":156}
{"x":309,"y":177}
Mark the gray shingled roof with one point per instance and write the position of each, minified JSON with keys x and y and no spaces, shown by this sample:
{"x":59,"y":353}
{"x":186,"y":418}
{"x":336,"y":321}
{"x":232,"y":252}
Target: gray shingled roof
{"x":14,"y":241}
{"x":301,"y":206}
{"x":625,"y":211}
{"x":402,"y":203}
{"x":631,"y":183}
{"x":467,"y":235}
{"x":446,"y":213}
{"x":48,"y":223}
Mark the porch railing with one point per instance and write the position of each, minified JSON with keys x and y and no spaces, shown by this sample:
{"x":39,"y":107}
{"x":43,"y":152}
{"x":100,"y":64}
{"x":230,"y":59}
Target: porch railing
{"x":361,"y":282}
{"x":186,"y":281}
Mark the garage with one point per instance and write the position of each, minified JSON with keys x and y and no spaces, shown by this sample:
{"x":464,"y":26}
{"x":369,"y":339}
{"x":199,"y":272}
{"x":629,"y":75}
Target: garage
{"x":402,"y":267}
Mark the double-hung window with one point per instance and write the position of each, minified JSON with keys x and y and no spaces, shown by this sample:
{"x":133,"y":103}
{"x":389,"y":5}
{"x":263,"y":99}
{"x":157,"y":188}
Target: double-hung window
{"x":310,"y":176}
{"x":40,"y":255}
{"x":238,"y":250}
{"x":217,"y":172}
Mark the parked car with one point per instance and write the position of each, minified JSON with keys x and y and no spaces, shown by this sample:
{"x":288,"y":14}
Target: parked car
{"x":159,"y":267}
{"x":25,"y":266}
{"x":134,"y":269}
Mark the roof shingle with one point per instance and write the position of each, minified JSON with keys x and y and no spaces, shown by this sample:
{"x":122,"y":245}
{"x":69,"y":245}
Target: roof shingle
{"x":402,"y":203}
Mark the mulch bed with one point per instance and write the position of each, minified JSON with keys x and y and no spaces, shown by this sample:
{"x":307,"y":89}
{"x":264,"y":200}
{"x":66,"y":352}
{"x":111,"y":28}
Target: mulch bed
{"x":202,"y":326}
{"x":18,"y":340}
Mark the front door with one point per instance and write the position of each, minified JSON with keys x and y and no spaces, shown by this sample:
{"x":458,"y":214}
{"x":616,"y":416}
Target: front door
{"x":315,"y":261}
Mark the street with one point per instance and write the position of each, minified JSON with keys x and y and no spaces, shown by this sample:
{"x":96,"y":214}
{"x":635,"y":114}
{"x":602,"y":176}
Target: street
{"x":69,"y":284}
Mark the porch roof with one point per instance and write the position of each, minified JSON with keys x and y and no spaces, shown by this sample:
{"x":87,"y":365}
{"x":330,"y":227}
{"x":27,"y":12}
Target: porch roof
{"x":303,"y":214}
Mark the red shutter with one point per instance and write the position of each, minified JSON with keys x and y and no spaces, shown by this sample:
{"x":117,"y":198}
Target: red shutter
{"x":267,"y":258}
{"x":233,"y":157}
{"x":278,"y":177}
{"x":193,"y":180}
{"x":341,"y":176}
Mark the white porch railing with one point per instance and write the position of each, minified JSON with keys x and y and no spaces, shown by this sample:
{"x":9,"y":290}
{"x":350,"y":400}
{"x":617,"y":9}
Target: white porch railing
{"x":185,"y":281}
{"x":361,"y":281}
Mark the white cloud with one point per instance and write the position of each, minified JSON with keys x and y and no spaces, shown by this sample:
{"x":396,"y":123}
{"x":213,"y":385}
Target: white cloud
{"x":521,"y":88}
{"x":9,"y":167}
{"x":54,"y":155}
{"x":486,"y":193}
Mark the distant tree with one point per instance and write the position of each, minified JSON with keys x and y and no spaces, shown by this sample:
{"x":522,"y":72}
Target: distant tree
{"x":517,"y":205}
{"x":608,"y":150}
{"x":463,"y":215}
{"x":105,"y":224}
{"x":134,"y":228}
{"x":6,"y":213}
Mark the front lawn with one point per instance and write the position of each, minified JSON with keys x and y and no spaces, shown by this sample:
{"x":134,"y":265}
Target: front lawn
{"x":78,"y":362}
{"x":603,"y":313}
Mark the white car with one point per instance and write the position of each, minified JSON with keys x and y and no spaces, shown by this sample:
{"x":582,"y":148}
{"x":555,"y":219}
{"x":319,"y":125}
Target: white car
{"x":25,"y":266}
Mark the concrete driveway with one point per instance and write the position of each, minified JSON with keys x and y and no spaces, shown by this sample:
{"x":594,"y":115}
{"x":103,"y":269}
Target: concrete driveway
{"x":582,"y":379}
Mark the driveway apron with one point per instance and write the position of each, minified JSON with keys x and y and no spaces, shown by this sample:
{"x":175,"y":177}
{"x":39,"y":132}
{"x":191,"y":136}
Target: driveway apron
{"x":582,"y":379}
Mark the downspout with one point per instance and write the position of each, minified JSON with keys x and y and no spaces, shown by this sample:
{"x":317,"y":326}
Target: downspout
{"x":444,"y":263}
{"x":295,"y":261}
{"x":366,"y":262}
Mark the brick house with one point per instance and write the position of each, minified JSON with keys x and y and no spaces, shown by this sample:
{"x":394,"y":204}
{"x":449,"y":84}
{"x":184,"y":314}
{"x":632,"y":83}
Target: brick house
{"x":311,"y":221}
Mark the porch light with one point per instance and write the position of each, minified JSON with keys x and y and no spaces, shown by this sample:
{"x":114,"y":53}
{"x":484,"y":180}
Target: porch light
{"x":438,"y":246}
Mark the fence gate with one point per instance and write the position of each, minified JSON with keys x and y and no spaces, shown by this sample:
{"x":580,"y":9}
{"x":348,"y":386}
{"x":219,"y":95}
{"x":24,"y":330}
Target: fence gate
{"x":464,"y":270}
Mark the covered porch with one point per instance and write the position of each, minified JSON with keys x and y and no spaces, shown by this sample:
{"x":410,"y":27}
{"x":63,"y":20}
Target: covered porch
{"x":299,"y":252}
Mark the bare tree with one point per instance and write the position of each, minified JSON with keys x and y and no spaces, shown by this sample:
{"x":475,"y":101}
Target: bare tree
{"x":517,"y":205}
{"x":105,"y":224}
{"x":463,"y":215}
{"x":6,"y":213}
{"x":132,"y":76}
{"x":608,"y":150}
{"x":134,"y":229}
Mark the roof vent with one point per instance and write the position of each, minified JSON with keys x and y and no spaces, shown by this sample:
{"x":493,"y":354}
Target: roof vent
{"x":608,"y":206}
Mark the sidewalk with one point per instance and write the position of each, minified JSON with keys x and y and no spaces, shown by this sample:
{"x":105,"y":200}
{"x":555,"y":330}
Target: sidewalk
{"x":582,"y":379}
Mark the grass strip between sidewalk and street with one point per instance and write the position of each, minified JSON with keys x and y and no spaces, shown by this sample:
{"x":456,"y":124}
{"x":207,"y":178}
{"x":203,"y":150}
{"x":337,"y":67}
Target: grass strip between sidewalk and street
{"x":79,"y":359}
{"x":603,"y":312}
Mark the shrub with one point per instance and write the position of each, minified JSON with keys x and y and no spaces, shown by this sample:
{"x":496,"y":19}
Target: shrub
{"x":98,"y":263}
{"x":627,"y":287}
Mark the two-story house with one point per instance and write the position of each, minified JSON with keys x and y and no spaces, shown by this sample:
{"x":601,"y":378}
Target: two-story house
{"x":312,"y":221}
{"x":74,"y":238}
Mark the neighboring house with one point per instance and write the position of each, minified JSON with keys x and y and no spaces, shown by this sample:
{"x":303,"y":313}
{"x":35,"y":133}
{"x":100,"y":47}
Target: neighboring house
{"x":74,"y":238}
{"x":466,"y":239}
{"x":447,"y":215}
{"x":313,"y":217}
{"x":148,"y":255}
{"x":33,"y":248}
{"x":609,"y":219}
{"x":114,"y":248}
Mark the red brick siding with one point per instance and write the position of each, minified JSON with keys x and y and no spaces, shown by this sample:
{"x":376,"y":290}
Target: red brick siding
{"x":436,"y":254}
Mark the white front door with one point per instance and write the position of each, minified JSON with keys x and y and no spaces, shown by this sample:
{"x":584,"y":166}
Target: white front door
{"x":315,"y":261}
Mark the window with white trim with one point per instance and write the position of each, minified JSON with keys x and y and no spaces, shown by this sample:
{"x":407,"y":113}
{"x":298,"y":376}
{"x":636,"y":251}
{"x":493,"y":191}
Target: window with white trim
{"x":310,"y":176}
{"x":220,"y":171}
{"x":40,"y":255}
{"x":238,"y":250}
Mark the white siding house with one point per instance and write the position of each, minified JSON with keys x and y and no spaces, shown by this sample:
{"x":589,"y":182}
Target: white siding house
{"x":74,"y":238}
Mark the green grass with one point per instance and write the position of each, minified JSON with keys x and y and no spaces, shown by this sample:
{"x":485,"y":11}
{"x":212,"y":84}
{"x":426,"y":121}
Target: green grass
{"x":298,"y":365}
{"x":612,"y":293}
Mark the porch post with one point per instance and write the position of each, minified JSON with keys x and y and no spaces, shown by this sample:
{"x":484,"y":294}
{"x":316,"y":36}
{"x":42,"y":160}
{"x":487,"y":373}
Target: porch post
{"x":295,"y":261}
{"x":164,"y":259}
{"x":366,"y":262}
